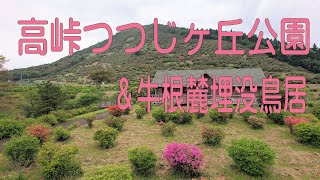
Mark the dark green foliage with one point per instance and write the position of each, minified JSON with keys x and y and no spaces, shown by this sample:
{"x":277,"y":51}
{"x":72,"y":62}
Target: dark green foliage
{"x":126,"y":112}
{"x":185,"y":118}
{"x":212,"y":135}
{"x":144,"y":105}
{"x":115,"y":122}
{"x":49,"y":119}
{"x":101,"y":76}
{"x":8,"y":128}
{"x":158,"y":114}
{"x":174,"y":117}
{"x":106,"y":137}
{"x":58,"y":161}
{"x":61,"y":134}
{"x":261,"y":115}
{"x":61,"y":115}
{"x":143,"y":160}
{"x":218,"y":117}
{"x":87,"y":99}
{"x":48,"y":97}
{"x":310,"y":104}
{"x":199,"y":115}
{"x":316,"y":111}
{"x":167,"y":129}
{"x":178,"y":117}
{"x":278,"y":118}
{"x":246,"y":115}
{"x":230,"y":115}
{"x":251,"y":156}
{"x":308,"y":133}
{"x":140,"y":112}
{"x":111,"y":172}
{"x":22,"y":149}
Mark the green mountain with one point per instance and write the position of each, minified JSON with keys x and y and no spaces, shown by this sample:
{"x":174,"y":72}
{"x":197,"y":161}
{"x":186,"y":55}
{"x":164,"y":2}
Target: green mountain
{"x":147,"y":61}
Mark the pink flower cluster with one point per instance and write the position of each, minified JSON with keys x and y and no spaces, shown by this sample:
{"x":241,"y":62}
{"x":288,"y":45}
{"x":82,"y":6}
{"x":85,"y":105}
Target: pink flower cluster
{"x":291,"y":121}
{"x":184,"y":157}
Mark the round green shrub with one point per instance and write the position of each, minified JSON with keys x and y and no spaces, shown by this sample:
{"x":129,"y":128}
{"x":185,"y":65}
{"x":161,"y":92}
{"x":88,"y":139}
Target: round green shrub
{"x":256,"y":122}
{"x":61,"y":134}
{"x":218,"y":117}
{"x":251,"y":156}
{"x":158,"y":114}
{"x":246,"y":115}
{"x":167,"y":129}
{"x":143,"y":159}
{"x":9,"y":128}
{"x":185,"y":118}
{"x":212,"y":135}
{"x":106,"y":137}
{"x":140,"y":112}
{"x":59,"y":162}
{"x":111,"y":172}
{"x":87,"y":99}
{"x":308,"y":133}
{"x":49,"y":119}
{"x":261,"y":115}
{"x":62,"y":115}
{"x":22,"y":149}
{"x":115,"y":122}
{"x":174,"y":117}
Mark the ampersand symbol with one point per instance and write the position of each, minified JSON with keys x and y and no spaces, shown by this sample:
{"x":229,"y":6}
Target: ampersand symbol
{"x":123,"y":93}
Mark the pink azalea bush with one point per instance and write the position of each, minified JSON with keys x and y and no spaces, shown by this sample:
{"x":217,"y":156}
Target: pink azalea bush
{"x":290,"y":121}
{"x":184,"y":157}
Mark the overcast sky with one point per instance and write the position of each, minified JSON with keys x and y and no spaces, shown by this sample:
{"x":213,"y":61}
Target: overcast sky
{"x":204,"y":13}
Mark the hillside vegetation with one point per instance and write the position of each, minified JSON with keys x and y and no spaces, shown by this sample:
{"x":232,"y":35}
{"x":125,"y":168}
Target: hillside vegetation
{"x":147,"y":61}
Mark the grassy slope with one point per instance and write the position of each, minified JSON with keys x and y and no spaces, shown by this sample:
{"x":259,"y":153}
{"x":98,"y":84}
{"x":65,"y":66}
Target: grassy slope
{"x":293,"y":159}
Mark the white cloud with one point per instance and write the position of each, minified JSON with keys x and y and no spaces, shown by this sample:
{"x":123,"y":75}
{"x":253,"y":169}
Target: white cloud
{"x":204,"y":13}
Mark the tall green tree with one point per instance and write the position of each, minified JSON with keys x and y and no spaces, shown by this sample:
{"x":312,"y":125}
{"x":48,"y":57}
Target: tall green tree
{"x":4,"y":75}
{"x":48,"y":97}
{"x":101,"y":76}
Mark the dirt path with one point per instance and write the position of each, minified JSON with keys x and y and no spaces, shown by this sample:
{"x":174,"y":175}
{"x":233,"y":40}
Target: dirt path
{"x":80,"y":122}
